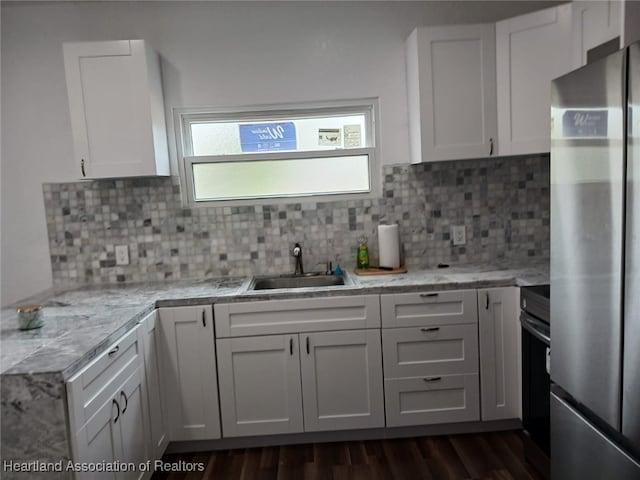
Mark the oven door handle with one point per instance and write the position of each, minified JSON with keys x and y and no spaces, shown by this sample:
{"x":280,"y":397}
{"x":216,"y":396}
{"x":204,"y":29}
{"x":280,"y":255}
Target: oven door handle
{"x":530,"y":324}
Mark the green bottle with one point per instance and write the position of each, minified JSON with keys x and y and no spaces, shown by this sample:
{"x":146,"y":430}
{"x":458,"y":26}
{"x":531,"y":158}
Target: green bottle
{"x":362,"y":259}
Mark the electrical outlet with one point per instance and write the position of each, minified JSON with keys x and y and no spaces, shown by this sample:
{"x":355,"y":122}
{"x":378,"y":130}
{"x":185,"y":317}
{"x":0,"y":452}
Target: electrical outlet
{"x":122,"y":254}
{"x":459,"y":234}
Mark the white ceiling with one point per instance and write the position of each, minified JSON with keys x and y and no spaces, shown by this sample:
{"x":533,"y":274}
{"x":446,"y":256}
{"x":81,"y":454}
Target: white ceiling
{"x":435,"y":12}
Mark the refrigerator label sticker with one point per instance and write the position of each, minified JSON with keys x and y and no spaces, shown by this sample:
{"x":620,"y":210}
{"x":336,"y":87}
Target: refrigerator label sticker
{"x":585,"y":124}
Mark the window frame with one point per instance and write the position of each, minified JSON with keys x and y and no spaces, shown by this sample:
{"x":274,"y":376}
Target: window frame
{"x":184,"y":117}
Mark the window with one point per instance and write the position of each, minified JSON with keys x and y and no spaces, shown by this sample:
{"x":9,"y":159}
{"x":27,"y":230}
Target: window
{"x":302,"y":151}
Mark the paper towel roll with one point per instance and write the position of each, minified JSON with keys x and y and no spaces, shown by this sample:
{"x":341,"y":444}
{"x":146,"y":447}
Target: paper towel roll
{"x":389,"y":246}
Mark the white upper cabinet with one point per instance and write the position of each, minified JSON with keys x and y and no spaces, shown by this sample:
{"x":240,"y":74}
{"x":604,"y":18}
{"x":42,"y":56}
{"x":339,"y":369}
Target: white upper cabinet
{"x":531,"y":50}
{"x":594,"y":23}
{"x":117,"y":110}
{"x":451,"y":92}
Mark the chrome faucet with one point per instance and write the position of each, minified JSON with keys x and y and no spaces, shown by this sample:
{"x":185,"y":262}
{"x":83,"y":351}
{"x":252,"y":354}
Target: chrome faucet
{"x":297,"y":253}
{"x":328,"y":267}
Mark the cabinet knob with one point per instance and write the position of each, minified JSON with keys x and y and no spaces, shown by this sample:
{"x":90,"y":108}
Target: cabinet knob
{"x":82,"y":167}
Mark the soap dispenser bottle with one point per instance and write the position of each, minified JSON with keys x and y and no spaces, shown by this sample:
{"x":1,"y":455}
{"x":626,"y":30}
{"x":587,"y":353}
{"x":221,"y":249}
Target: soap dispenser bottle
{"x":338,"y":271}
{"x":363,"y":253}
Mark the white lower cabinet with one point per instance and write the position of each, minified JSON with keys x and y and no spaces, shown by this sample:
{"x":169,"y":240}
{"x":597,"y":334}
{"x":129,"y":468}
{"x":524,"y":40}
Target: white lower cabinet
{"x":152,"y":346}
{"x":133,"y":431}
{"x":342,"y":380}
{"x":303,"y":379}
{"x":500,"y":353}
{"x":432,"y":399}
{"x":260,"y":392}
{"x":189,"y":371}
{"x":275,"y":384}
{"x":430,"y":357}
{"x":117,"y":430}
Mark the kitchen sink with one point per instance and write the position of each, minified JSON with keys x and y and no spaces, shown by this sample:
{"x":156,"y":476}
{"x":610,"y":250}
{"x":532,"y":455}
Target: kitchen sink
{"x":297,"y":281}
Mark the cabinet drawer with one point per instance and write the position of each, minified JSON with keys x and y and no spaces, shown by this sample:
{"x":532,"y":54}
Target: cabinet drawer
{"x":86,"y":389}
{"x":438,"y":350}
{"x":428,"y":400}
{"x":428,"y":308}
{"x":297,"y":315}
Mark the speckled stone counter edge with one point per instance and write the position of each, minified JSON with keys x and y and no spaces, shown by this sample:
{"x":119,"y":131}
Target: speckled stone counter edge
{"x":425,"y":280}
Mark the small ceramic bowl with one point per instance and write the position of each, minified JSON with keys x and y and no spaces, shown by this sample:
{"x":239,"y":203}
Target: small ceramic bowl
{"x":30,"y":317}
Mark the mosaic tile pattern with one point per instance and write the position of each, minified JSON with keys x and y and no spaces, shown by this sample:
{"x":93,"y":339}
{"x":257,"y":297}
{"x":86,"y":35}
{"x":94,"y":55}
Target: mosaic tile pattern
{"x":502,"y":202}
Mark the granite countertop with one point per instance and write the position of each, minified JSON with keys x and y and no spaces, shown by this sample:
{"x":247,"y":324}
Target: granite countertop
{"x":81,"y":323}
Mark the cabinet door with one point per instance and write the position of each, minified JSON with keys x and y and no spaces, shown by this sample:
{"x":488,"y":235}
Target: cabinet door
{"x":88,"y":389}
{"x":96,"y":441}
{"x":189,"y":370}
{"x":150,"y":332}
{"x":342,"y":380}
{"x":500,"y":353}
{"x":594,"y":23}
{"x":421,"y":351}
{"x":451,"y":92}
{"x":270,"y":317}
{"x":132,"y":432}
{"x":531,"y":50}
{"x":116,"y":107}
{"x":430,"y":400}
{"x":429,"y":308}
{"x":260,"y":385}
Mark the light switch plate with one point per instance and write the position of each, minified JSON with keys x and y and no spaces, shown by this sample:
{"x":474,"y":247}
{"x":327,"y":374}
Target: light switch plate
{"x":122,"y":254}
{"x":458,"y":234}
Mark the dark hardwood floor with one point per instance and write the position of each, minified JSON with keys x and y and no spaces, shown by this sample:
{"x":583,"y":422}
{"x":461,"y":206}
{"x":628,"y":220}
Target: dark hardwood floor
{"x":486,"y":456}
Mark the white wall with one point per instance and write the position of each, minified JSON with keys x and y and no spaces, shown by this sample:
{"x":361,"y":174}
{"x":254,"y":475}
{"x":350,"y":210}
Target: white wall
{"x":213,"y":54}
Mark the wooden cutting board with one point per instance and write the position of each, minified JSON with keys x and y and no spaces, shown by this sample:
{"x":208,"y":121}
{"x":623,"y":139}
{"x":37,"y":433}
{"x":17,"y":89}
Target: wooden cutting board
{"x":379,"y":271}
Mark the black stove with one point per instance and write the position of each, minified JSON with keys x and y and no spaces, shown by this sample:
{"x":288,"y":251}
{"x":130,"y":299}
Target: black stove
{"x":536,"y":383}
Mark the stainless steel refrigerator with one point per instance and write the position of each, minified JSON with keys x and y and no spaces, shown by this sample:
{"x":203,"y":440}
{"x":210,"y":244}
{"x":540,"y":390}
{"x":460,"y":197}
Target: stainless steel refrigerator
{"x":595,"y":270}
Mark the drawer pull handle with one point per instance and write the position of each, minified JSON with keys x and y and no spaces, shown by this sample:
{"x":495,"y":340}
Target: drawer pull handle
{"x":428,"y":295}
{"x":430,"y":329}
{"x":432,"y":379}
{"x":291,"y":346}
{"x":204,"y":319}
{"x":126,"y":400}
{"x":114,"y":351}
{"x":117,"y":409}
{"x":486,"y":306}
{"x":82,"y":167}
{"x":307,"y":345}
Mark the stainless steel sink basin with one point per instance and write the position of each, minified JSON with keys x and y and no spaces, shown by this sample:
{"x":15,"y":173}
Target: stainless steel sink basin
{"x":296,"y":281}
